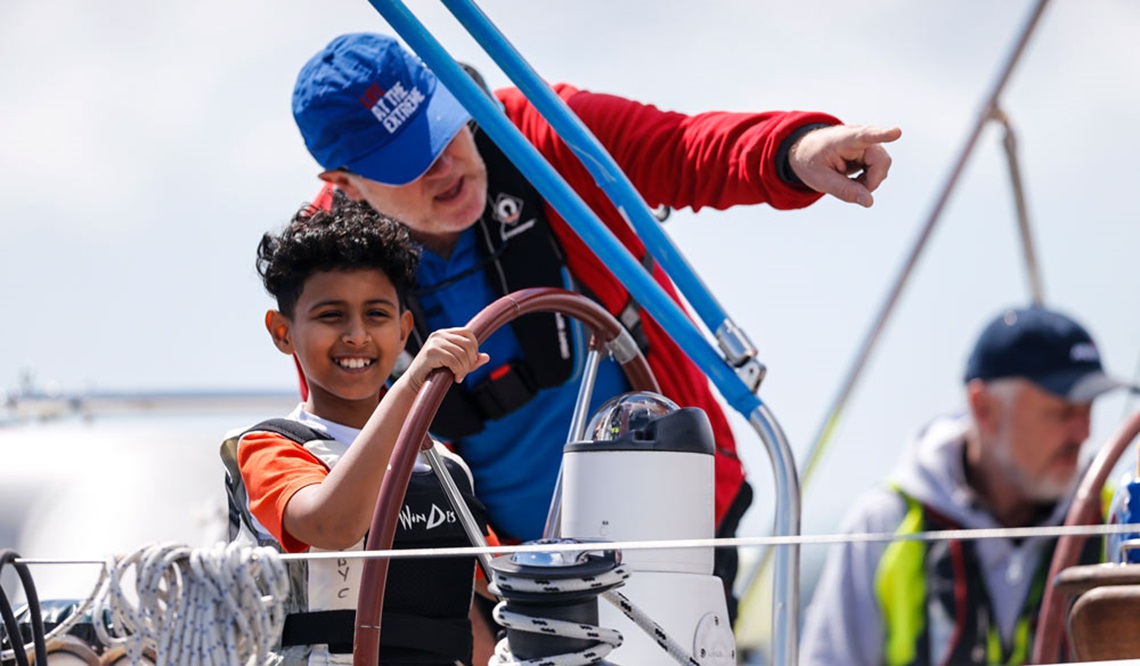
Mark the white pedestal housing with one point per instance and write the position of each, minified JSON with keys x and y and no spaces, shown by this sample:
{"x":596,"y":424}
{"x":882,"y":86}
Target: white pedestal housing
{"x":652,"y":482}
{"x":642,"y":496}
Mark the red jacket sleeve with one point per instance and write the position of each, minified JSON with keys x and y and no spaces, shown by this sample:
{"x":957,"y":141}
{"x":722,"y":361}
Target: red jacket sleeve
{"x":716,"y":159}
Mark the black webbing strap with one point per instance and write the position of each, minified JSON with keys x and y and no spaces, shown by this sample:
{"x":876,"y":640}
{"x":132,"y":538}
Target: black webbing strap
{"x":451,"y":639}
{"x":504,"y":390}
{"x":335,"y":627}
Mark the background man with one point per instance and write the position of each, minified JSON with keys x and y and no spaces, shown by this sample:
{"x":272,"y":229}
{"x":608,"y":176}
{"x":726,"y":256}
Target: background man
{"x":1011,"y":460}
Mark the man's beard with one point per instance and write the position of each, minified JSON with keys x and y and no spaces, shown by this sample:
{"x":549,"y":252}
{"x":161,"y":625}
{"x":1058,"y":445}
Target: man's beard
{"x":1046,"y":489}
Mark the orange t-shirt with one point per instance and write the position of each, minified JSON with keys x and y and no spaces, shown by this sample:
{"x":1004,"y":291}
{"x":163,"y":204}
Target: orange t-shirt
{"x":273,"y":468}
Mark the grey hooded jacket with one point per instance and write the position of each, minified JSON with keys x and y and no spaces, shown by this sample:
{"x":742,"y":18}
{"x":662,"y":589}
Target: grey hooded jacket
{"x":844,"y":621}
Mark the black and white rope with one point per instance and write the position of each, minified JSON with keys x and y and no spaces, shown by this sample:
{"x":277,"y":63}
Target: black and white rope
{"x":604,"y":640}
{"x":655,"y":631}
{"x":215,"y":606}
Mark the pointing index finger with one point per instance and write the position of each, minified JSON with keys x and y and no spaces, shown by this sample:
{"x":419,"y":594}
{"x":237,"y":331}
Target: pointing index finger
{"x":871,"y":134}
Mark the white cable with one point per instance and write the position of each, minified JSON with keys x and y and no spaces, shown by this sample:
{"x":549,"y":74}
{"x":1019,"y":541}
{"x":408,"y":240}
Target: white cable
{"x":743,"y":542}
{"x":216,"y":606}
{"x":669,"y":544}
{"x":270,"y":564}
{"x":604,"y":640}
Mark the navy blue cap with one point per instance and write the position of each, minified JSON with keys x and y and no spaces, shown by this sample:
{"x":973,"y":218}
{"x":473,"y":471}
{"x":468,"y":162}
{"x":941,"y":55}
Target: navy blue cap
{"x":367,"y":104}
{"x":1045,"y":347}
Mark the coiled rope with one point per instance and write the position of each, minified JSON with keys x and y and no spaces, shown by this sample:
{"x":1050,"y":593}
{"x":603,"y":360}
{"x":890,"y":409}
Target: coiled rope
{"x":604,"y":640}
{"x":214,"y":606}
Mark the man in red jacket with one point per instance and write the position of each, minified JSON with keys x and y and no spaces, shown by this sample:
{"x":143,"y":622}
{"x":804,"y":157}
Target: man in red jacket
{"x":387,"y":132}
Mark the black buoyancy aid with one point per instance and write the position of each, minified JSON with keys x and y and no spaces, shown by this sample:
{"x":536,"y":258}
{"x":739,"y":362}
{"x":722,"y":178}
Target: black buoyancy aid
{"x":518,"y":251}
{"x":426,"y":601}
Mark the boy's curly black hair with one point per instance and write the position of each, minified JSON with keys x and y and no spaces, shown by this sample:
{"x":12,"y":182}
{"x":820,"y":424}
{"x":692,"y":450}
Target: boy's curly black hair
{"x":350,"y":236}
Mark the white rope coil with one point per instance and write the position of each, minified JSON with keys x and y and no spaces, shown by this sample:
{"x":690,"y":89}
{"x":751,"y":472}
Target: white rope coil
{"x":604,"y":640}
{"x":217,"y":606}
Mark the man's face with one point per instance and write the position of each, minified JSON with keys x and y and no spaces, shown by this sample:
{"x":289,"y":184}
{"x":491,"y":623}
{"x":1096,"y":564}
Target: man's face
{"x":1038,"y":442}
{"x":439,"y":205}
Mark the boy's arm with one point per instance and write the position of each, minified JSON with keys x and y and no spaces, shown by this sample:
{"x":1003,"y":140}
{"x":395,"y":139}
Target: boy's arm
{"x":273,"y":468}
{"x":336,"y":513}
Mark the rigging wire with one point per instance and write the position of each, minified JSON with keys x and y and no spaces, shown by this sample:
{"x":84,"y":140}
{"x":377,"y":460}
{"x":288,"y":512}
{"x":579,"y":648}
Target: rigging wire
{"x":1009,"y":142}
{"x":834,"y":414}
{"x":973,"y":534}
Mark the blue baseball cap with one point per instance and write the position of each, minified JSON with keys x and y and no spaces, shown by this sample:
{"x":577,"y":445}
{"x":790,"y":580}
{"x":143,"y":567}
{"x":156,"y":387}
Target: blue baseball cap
{"x":366,"y":104}
{"x":1045,"y":347}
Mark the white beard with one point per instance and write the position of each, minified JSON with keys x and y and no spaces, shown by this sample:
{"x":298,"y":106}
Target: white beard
{"x":1048,"y":489}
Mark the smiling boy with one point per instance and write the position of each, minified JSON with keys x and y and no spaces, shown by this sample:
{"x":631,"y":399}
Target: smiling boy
{"x":310,"y":481}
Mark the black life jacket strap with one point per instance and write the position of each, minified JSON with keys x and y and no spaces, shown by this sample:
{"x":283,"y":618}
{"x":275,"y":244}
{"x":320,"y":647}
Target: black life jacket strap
{"x":504,"y":390}
{"x":507,"y":388}
{"x":510,"y":386}
{"x":443,"y":639}
{"x":334,"y":627}
{"x":631,"y":315}
{"x":294,"y":430}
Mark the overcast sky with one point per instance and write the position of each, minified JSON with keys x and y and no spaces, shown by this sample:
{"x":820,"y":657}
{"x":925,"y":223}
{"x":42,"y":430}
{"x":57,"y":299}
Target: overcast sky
{"x":146,"y":146}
